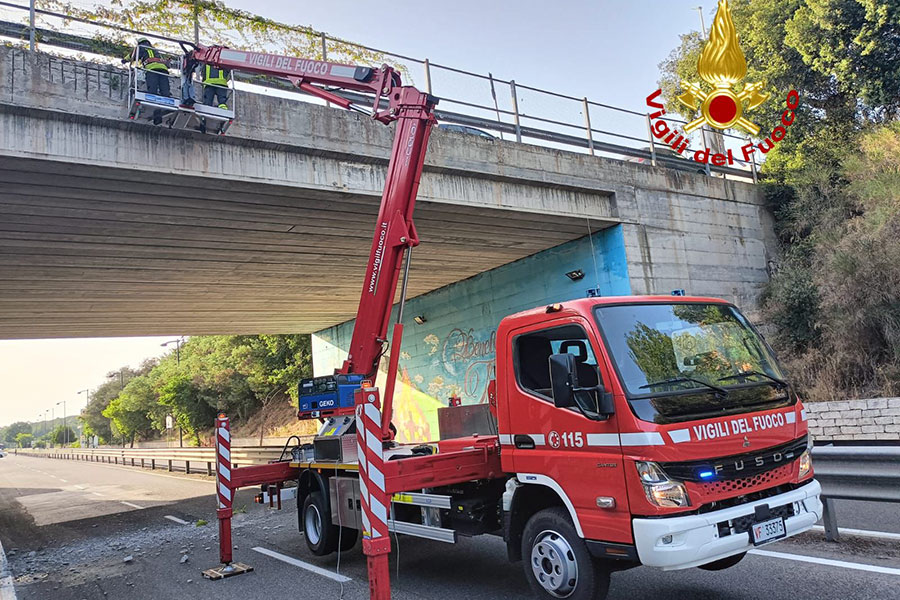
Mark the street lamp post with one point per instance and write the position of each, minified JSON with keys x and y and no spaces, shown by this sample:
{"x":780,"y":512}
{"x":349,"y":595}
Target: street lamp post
{"x":65,"y":425}
{"x":178,"y":342}
{"x":87,"y":395}
{"x":120,"y":373}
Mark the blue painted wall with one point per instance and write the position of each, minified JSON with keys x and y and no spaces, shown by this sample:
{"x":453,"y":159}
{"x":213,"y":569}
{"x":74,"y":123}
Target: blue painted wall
{"x":453,"y":351}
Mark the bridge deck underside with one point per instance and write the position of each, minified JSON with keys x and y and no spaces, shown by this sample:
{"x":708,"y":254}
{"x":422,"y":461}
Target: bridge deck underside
{"x":91,"y":251}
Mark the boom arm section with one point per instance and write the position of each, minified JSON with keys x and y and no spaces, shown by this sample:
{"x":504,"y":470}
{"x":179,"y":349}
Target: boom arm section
{"x":395,"y":233}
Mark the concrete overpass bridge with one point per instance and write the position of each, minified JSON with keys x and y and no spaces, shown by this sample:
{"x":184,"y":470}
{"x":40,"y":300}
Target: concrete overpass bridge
{"x":110,"y":227}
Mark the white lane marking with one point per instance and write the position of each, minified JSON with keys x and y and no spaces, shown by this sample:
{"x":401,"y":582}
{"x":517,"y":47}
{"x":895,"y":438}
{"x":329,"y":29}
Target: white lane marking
{"x":64,"y":480}
{"x":299,"y":563}
{"x":81,"y":487}
{"x":827,"y":562}
{"x":7,"y":589}
{"x":97,"y":494}
{"x":176,"y":519}
{"x":864,"y":532}
{"x":131,"y":505}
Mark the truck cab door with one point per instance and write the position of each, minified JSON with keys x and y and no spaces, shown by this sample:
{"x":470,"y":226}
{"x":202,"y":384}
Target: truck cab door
{"x":578,"y":457}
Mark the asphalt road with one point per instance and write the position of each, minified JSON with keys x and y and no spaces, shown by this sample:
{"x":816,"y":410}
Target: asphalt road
{"x":68,"y":527}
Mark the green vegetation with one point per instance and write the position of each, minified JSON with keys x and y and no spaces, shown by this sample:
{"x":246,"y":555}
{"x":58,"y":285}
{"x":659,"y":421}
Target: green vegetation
{"x":10,"y":433}
{"x":833,"y":184}
{"x":217,"y":23}
{"x":238,"y":375}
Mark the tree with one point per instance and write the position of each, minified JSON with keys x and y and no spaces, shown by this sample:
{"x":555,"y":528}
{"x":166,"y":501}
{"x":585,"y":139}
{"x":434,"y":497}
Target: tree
{"x":831,"y":183}
{"x":129,"y":411}
{"x":23,"y":440}
{"x":62,"y":435}
{"x":14,"y":430}
{"x":778,"y":45}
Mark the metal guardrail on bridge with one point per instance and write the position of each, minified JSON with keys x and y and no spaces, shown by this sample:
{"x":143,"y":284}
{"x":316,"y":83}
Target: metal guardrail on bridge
{"x":855,"y":473}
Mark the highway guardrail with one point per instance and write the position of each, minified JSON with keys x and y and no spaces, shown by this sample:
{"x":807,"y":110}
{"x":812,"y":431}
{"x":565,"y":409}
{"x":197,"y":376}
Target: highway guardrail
{"x":186,"y":460}
{"x":869,"y":473}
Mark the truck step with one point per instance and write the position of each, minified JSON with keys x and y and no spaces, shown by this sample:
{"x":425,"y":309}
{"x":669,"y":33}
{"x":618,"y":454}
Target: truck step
{"x":437,"y":534}
{"x":421,"y":499}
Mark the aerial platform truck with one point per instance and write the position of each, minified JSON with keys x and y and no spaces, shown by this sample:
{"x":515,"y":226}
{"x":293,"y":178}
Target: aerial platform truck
{"x":618,"y":432}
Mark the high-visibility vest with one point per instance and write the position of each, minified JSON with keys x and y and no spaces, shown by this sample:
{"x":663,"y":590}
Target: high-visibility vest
{"x":152,"y":62}
{"x":214,"y":76}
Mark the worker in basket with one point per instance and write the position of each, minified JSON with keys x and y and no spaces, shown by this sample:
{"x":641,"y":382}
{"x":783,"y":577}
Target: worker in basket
{"x":156,"y":72}
{"x":215,"y":85}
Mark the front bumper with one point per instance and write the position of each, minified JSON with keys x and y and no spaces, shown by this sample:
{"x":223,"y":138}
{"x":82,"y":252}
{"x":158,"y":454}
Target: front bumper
{"x":695,"y":539}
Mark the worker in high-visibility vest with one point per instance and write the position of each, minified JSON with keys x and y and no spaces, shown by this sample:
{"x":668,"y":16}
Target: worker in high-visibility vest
{"x":215,"y":85}
{"x":156,"y":72}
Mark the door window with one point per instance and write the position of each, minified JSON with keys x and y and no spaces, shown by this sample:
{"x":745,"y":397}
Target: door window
{"x":531,"y":356}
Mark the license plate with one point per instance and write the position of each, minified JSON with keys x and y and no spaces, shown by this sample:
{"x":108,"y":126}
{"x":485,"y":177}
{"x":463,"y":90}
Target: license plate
{"x":768,"y":531}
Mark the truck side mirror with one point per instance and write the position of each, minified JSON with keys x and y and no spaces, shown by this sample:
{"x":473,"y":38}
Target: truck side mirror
{"x":563,"y":379}
{"x":564,"y":385}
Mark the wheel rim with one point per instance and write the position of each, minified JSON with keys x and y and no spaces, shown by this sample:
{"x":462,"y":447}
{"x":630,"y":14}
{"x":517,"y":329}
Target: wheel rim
{"x":313,"y":524}
{"x":553,"y":564}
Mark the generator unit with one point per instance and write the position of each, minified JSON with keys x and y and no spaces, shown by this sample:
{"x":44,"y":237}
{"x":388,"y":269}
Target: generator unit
{"x":322,"y":396}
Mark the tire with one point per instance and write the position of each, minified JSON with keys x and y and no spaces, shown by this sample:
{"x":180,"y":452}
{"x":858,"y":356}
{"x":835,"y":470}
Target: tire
{"x":348,"y":538}
{"x":557,"y":562}
{"x":321,"y":535}
{"x":723,"y":563}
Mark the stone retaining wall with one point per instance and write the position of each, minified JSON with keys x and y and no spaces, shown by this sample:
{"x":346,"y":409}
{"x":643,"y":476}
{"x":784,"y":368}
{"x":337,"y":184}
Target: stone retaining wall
{"x":871,"y":419}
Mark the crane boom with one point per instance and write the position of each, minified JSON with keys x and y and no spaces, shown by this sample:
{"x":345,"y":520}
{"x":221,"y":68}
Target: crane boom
{"x":395,"y":233}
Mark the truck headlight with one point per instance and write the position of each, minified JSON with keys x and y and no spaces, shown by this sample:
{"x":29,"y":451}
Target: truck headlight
{"x":661,"y":490}
{"x":805,"y":463}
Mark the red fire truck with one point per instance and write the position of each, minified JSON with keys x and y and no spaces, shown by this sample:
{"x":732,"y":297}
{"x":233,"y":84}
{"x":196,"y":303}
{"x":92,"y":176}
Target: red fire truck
{"x":624,"y":431}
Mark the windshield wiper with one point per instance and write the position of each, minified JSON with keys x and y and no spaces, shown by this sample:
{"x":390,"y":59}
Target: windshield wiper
{"x":779,"y":383}
{"x":718,"y":390}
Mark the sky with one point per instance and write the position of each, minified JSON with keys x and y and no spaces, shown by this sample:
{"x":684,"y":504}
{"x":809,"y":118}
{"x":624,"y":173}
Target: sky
{"x":607,"y":50}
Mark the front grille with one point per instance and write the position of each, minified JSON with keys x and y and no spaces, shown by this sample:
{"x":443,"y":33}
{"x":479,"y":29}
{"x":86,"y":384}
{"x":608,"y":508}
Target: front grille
{"x":727,"y":486}
{"x":739,"y":467}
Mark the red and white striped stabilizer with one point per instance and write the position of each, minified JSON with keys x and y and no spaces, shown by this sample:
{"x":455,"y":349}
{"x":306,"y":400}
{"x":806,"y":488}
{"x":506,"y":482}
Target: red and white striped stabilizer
{"x":224,"y":491}
{"x":374,"y":499}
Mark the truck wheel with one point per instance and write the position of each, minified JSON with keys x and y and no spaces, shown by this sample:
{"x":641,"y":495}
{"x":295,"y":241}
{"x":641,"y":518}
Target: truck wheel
{"x":723,"y":563}
{"x":321,"y":535}
{"x":557,"y":562}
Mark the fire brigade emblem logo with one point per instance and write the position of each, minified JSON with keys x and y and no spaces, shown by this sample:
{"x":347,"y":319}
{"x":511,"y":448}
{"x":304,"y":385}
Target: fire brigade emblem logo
{"x":746,"y":441}
{"x":722,"y":65}
{"x":553,"y":439}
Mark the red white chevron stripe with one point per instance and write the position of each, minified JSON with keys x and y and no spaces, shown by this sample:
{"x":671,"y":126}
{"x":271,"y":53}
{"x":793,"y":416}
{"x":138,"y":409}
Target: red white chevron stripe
{"x":223,"y":458}
{"x":375,"y":501}
{"x":223,"y":486}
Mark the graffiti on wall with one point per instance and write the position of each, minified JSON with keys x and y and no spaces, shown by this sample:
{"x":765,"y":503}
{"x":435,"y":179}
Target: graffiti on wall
{"x":466,"y":361}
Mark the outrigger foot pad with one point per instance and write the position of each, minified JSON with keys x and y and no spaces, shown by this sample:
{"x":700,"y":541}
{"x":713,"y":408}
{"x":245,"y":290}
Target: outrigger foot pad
{"x":229,"y":570}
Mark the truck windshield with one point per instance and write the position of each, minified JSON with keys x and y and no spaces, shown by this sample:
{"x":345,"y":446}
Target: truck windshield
{"x":689,"y":360}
